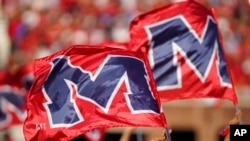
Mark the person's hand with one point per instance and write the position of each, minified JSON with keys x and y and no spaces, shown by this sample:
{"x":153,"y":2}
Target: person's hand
{"x":235,"y":120}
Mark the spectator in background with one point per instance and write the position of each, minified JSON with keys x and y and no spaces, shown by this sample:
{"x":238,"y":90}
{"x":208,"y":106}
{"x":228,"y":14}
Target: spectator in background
{"x":35,"y":26}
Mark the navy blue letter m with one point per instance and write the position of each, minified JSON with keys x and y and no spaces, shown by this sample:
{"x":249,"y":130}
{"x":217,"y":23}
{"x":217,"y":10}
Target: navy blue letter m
{"x":176,"y":35}
{"x":99,"y":88}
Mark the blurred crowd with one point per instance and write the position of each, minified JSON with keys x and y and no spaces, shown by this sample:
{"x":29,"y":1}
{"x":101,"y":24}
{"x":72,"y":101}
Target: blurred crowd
{"x":38,"y":28}
{"x":32,"y":29}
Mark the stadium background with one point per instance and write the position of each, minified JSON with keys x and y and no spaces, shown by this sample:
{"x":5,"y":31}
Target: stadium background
{"x":37,"y":28}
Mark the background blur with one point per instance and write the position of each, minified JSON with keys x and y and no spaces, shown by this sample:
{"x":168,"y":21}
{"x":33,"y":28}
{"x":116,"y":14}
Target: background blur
{"x":31,"y":29}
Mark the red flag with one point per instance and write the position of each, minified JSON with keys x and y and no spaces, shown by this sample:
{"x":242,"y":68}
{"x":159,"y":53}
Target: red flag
{"x":185,"y":51}
{"x":83,"y":88}
{"x":122,"y":45}
{"x":12,"y":101}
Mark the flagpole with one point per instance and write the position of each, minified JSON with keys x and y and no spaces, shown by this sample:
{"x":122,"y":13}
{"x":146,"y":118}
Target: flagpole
{"x":139,"y":135}
{"x":168,"y":135}
{"x":237,"y":110}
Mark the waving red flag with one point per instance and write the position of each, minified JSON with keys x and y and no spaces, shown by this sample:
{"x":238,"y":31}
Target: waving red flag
{"x":12,"y":106}
{"x":122,"y":45}
{"x":83,"y":88}
{"x":13,"y":88}
{"x":185,"y":51}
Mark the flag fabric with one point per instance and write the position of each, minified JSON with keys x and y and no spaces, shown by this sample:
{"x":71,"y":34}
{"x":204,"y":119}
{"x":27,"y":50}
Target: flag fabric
{"x":113,"y":44}
{"x":12,"y":106}
{"x":83,"y":88}
{"x":185,"y":51}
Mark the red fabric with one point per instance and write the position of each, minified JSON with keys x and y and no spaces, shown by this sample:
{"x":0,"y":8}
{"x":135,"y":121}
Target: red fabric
{"x":12,"y":96}
{"x":12,"y":104}
{"x":39,"y":124}
{"x":190,"y":87}
{"x":122,"y":45}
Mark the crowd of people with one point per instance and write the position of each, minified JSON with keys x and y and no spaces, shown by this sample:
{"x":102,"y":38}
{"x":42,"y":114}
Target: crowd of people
{"x":38,"y":28}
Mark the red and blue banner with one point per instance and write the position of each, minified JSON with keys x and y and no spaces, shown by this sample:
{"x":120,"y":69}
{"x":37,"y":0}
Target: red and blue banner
{"x":12,"y":106}
{"x":83,"y":88}
{"x":185,"y":51}
{"x":13,"y":88}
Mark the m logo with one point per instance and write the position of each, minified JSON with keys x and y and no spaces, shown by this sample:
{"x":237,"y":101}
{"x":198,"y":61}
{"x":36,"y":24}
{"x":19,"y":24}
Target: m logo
{"x":83,"y":88}
{"x":99,"y":88}
{"x":175,"y":35}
